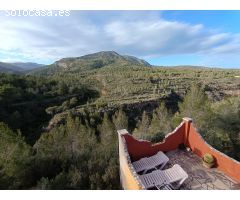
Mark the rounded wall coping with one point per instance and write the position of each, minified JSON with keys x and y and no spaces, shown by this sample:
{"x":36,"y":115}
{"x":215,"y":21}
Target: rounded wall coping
{"x":125,"y":132}
{"x":174,"y":131}
{"x":187,"y":119}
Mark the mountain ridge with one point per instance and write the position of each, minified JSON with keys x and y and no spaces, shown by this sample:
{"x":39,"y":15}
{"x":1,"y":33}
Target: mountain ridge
{"x":27,"y":65}
{"x":18,"y":67}
{"x":90,"y":62}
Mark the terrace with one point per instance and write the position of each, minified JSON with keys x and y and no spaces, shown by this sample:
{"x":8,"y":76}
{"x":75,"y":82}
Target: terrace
{"x":224,"y":175}
{"x":200,"y":177}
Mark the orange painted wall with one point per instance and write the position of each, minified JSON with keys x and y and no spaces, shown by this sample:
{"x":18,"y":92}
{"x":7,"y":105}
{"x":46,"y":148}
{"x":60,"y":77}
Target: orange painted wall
{"x":187,"y":135}
{"x":127,"y":178}
{"x":138,"y":149}
{"x":224,"y":163}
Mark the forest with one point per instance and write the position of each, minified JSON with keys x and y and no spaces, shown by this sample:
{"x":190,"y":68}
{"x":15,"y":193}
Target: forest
{"x":58,"y":126}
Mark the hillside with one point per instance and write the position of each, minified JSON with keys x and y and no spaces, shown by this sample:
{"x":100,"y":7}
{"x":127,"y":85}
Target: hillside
{"x":27,"y":65}
{"x":127,"y":79}
{"x":90,"y":62}
{"x":18,"y":67}
{"x":9,"y":68}
{"x":124,"y":80}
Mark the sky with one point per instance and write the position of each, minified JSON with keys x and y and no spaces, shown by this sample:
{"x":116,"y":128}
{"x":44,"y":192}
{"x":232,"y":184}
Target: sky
{"x":163,"y":38}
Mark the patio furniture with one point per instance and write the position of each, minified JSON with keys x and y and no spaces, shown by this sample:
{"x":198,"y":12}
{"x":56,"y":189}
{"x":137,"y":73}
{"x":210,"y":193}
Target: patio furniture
{"x":168,"y":177}
{"x":156,"y":161}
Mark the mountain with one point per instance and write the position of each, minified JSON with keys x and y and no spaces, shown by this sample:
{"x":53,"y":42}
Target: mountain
{"x":136,"y":60}
{"x":27,"y":65}
{"x":192,"y":67}
{"x":18,"y":67}
{"x":90,"y":62}
{"x":10,"y":68}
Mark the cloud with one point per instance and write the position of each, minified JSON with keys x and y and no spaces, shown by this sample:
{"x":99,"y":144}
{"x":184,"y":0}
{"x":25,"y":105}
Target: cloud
{"x":144,"y":34}
{"x":165,"y":38}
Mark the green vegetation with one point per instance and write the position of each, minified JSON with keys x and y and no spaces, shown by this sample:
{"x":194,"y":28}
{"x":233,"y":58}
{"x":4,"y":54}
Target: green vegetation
{"x":58,"y":123}
{"x":208,"y":158}
{"x":23,"y":100}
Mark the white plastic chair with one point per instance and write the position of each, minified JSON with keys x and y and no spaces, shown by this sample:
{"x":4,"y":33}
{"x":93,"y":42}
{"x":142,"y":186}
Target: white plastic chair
{"x":148,"y":163}
{"x":166,"y":177}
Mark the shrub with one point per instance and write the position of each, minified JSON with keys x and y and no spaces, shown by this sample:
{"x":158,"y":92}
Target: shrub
{"x":208,"y":158}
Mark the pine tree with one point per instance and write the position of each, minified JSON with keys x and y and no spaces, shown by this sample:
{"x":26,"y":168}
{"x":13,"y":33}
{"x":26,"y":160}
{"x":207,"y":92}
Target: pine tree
{"x":15,"y":160}
{"x":141,"y":131}
{"x":196,"y":106}
{"x":161,"y":123}
{"x":120,"y":120}
{"x":108,"y":131}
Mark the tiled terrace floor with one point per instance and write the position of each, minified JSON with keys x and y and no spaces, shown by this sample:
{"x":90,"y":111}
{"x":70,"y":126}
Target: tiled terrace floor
{"x":200,"y":178}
